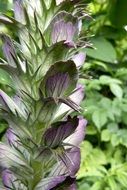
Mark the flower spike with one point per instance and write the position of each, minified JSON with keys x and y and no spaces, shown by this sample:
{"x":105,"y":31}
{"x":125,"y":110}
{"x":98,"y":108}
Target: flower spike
{"x":41,"y":148}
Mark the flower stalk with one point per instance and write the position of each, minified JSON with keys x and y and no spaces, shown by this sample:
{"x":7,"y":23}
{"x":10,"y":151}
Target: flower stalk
{"x":42,"y":151}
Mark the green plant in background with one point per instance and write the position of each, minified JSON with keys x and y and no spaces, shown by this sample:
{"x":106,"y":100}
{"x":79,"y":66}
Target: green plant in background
{"x":41,"y":147}
{"x":104,"y":152}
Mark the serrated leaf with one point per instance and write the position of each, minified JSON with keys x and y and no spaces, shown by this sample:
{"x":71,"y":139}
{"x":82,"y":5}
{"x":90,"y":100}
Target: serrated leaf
{"x":113,"y":127}
{"x":97,"y":186}
{"x":101,"y":64}
{"x":84,"y":186}
{"x":103,"y":51}
{"x":116,"y":90}
{"x":91,"y":130}
{"x":117,"y":13}
{"x":87,"y":146}
{"x":112,"y":183}
{"x":122,"y":178}
{"x":115,"y":140}
{"x":106,"y":80}
{"x":99,"y":117}
{"x":106,"y":103}
{"x":105,"y":135}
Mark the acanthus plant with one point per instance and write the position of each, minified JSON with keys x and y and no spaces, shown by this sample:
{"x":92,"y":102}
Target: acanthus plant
{"x":41,"y":150}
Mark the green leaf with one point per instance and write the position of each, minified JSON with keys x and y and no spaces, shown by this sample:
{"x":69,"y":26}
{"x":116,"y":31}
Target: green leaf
{"x":3,"y":6}
{"x":84,"y":186}
{"x":105,"y":103}
{"x":104,"y":50}
{"x":99,"y":157}
{"x":91,"y":130}
{"x":97,"y":186}
{"x":99,"y":117}
{"x":116,"y":107}
{"x":87,"y":146}
{"x":101,"y":64}
{"x":122,"y":178}
{"x":123,"y":136}
{"x":113,"y":127}
{"x":105,"y":135}
{"x":112,"y":183}
{"x":117,"y":12}
{"x":115,"y":140}
{"x":106,"y":80}
{"x":94,"y":84}
{"x":116,"y":90}
{"x":124,"y":118}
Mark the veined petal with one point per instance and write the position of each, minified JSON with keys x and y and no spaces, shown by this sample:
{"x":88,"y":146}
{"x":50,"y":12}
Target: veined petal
{"x":50,"y":182}
{"x":68,"y":184}
{"x":76,"y":97}
{"x":70,"y":103}
{"x":74,"y":155}
{"x":71,"y":160}
{"x":57,"y":84}
{"x":78,"y":94}
{"x":63,"y":32}
{"x":60,"y":80}
{"x":68,"y":164}
{"x":79,"y":59}
{"x":63,"y":27}
{"x":78,"y":136}
{"x":54,"y":136}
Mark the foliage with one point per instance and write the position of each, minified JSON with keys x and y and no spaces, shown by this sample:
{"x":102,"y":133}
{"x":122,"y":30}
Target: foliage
{"x":104,"y":152}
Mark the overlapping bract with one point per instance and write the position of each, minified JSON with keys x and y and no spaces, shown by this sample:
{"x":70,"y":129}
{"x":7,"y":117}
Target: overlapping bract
{"x":42,"y":149}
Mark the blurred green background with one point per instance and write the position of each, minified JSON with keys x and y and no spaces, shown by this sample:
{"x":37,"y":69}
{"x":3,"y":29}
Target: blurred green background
{"x":104,"y":75}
